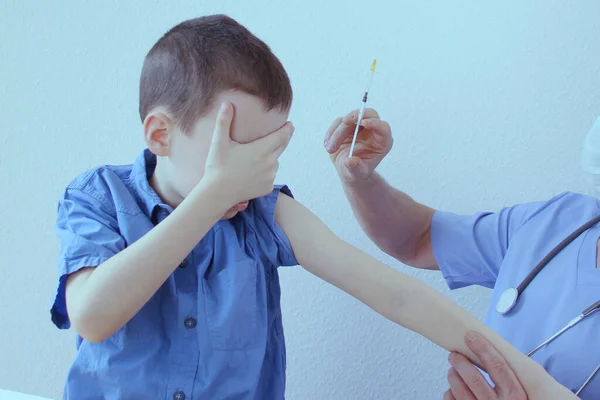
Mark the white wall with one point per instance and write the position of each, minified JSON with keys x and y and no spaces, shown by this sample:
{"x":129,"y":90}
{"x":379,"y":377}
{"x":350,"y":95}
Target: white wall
{"x":489,"y":103}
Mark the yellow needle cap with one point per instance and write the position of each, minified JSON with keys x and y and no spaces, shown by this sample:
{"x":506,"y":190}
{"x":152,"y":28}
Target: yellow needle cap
{"x":373,"y":66}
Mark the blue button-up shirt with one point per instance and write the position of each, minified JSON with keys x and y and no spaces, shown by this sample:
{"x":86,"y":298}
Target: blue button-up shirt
{"x":212,"y":331}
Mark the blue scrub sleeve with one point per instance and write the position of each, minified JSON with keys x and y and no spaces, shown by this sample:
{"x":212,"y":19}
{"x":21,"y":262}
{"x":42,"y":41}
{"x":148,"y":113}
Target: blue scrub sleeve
{"x":88,"y":232}
{"x":470,"y":249}
{"x":278,"y":246}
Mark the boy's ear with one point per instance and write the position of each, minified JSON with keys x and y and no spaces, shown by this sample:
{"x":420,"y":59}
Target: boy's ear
{"x":158,"y":132}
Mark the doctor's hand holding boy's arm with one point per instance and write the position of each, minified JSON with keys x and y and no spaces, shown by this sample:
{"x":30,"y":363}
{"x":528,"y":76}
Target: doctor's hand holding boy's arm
{"x":102,"y":299}
{"x":467,"y":382}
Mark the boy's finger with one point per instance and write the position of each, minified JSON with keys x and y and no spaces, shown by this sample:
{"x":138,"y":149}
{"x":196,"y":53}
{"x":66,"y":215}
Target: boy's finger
{"x":222,"y":130}
{"x":494,"y":363}
{"x":275,"y":142}
{"x":283,"y":145}
{"x":471,"y":377}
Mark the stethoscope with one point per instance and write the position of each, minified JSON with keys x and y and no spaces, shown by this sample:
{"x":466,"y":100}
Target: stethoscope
{"x":508,"y":299}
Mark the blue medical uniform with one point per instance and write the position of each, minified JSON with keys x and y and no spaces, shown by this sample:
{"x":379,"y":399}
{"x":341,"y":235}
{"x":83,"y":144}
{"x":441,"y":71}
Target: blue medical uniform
{"x":498,"y":250}
{"x":213,"y":330}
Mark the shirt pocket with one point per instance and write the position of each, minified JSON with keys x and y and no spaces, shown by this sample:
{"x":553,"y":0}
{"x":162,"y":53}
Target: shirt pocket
{"x":588,"y":276}
{"x":587,"y":273}
{"x":231,"y":304}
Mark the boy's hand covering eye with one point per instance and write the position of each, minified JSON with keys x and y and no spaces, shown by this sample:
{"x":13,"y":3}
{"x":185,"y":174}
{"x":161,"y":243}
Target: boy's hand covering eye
{"x":244,"y":171}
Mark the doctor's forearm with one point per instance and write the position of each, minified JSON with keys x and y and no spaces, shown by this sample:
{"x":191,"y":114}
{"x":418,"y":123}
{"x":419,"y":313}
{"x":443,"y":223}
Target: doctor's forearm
{"x":391,"y":218}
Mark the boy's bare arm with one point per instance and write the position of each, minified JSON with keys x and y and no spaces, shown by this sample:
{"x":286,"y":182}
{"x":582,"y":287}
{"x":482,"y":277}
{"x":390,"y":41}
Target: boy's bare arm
{"x":396,"y":296}
{"x":101,"y":299}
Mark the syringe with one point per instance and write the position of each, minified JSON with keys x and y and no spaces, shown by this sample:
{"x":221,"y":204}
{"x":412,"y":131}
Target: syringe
{"x":362,"y":107}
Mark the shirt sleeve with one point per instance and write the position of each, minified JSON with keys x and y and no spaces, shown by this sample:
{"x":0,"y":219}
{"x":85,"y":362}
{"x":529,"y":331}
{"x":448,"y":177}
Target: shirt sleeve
{"x":270,"y":231}
{"x":469,"y":249}
{"x":88,"y":233}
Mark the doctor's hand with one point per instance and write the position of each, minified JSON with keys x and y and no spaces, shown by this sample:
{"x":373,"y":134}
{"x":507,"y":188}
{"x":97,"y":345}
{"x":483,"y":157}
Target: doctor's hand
{"x":467,"y":383}
{"x":374,"y":141}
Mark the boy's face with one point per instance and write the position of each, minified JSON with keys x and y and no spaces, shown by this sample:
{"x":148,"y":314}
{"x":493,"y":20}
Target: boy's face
{"x":188,"y":153}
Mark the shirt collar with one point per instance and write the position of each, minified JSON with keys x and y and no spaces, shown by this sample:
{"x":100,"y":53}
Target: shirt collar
{"x":141,"y":172}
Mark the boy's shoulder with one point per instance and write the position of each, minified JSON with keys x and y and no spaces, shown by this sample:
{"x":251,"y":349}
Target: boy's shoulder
{"x":103,"y":183}
{"x":273,"y":240}
{"x":100,"y":177}
{"x":264,"y":207}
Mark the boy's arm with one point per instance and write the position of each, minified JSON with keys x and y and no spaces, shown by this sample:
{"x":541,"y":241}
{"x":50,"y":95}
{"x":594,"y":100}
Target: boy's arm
{"x":396,"y":296}
{"x":101,"y":300}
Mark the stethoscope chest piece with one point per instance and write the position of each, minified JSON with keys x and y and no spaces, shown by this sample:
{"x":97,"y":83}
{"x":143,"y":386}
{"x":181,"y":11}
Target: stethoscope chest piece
{"x":507,"y":300}
{"x":509,"y":297}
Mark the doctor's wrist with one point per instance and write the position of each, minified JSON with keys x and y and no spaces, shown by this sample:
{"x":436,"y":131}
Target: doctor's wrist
{"x":354,"y":183}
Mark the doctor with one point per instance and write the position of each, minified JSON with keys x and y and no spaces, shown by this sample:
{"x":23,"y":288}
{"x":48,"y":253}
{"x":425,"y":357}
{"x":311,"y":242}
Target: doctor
{"x":542,"y":260}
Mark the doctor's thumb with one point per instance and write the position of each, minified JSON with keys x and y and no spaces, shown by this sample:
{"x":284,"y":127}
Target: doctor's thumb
{"x":356,"y":168}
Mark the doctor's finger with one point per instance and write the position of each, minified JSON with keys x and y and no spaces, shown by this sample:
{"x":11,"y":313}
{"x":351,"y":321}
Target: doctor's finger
{"x":351,"y":117}
{"x":340,"y":133}
{"x":458,"y":387}
{"x":337,"y":122}
{"x":495,"y":365}
{"x":448,"y":395}
{"x":471,"y":377}
{"x":378,"y":127}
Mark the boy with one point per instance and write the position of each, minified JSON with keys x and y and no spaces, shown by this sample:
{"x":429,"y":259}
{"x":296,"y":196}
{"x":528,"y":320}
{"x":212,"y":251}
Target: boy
{"x":168,"y":267}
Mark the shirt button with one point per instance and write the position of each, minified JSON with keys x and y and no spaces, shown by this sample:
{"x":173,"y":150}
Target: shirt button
{"x":184,"y":263}
{"x":179,"y":395}
{"x":190,"y":323}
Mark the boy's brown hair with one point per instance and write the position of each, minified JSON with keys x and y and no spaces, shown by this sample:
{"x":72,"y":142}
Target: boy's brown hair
{"x":200,"y":58}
